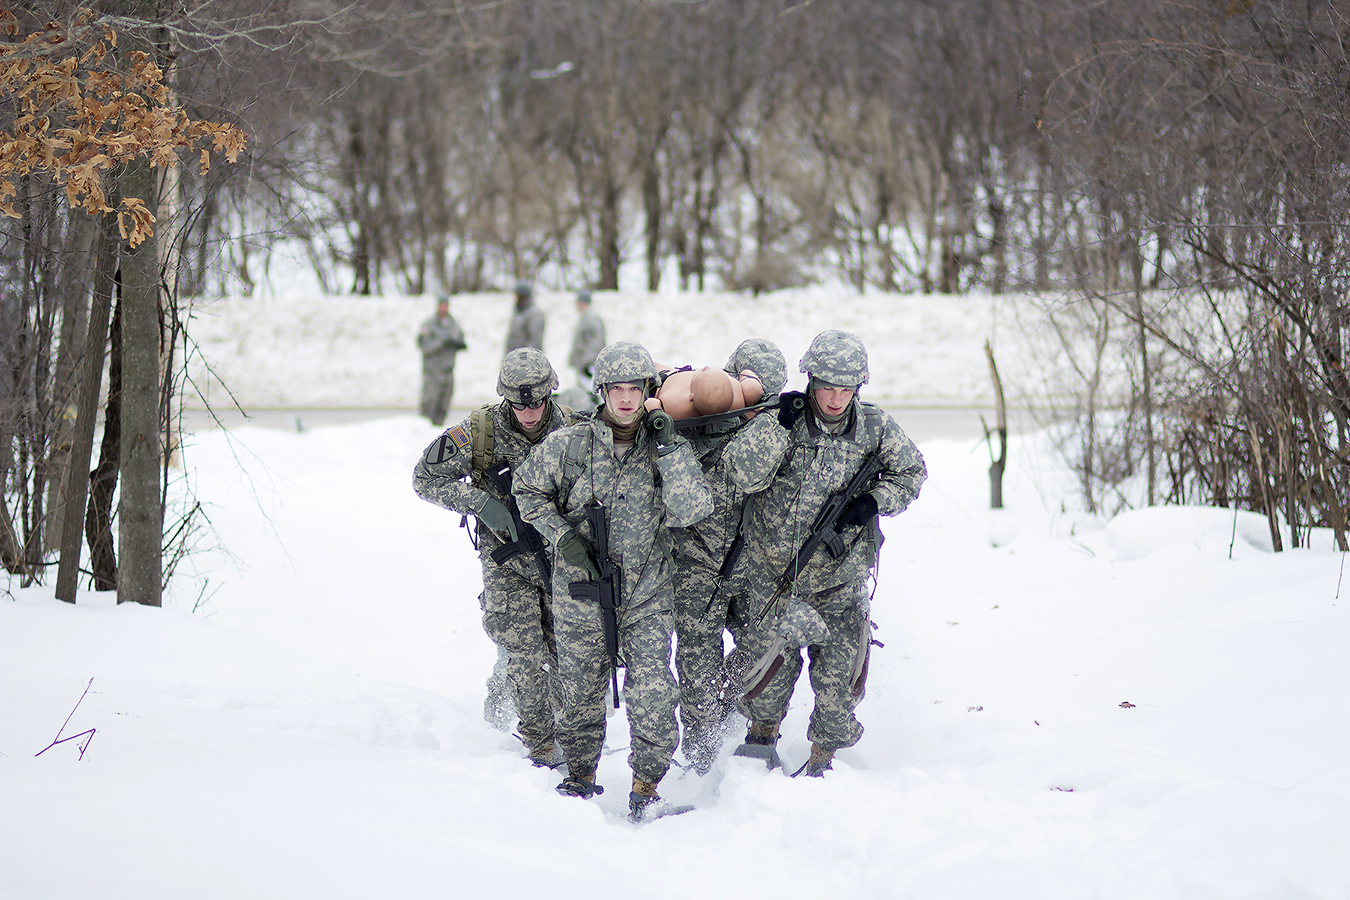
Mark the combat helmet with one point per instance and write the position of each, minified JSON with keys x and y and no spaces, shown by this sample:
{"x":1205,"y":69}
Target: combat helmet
{"x":836,"y":358}
{"x":622,"y":362}
{"x":526,"y":376}
{"x":764,"y":359}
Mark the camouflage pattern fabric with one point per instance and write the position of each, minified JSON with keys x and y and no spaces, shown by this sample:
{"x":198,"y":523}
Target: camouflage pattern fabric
{"x":791,"y":474}
{"x":439,"y":341}
{"x":587,"y":340}
{"x":526,"y":328}
{"x":526,"y":376}
{"x":643,"y":495}
{"x":516,"y":596}
{"x":836,"y":357}
{"x":699,"y":552}
{"x":623,"y":361}
{"x":648,"y":692}
{"x":833,"y":724}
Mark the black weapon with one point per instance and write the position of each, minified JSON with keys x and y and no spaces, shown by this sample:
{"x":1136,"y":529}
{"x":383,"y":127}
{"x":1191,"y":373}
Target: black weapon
{"x":700,"y":421}
{"x":825,"y":529}
{"x":528,"y":539}
{"x":605,"y":590}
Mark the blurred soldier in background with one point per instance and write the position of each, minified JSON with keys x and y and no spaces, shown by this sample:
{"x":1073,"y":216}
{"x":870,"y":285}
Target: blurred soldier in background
{"x":604,"y":494}
{"x":527,"y":323}
{"x":700,"y":553}
{"x":588,"y":339}
{"x":469,"y":470}
{"x":440,"y":338}
{"x":793,"y":464}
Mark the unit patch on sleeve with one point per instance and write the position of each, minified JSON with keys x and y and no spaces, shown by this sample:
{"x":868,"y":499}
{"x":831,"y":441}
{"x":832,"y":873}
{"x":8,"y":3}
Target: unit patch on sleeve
{"x":459,"y":436}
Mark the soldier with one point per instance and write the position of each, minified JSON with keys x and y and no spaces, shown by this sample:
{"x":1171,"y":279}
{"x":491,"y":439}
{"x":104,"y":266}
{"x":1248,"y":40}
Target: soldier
{"x":587,"y":340}
{"x":439,"y":339}
{"x":700,"y":551}
{"x":486,"y":448}
{"x":633,"y":479}
{"x":792,"y":464}
{"x":527,"y":323}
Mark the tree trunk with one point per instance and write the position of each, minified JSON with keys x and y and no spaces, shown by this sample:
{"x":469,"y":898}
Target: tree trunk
{"x":103,"y":480}
{"x":139,"y":513}
{"x":77,"y":476}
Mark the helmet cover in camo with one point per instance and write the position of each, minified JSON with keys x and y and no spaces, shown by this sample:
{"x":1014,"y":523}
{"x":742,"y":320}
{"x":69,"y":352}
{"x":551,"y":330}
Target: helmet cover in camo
{"x":526,"y":376}
{"x":764,"y":359}
{"x":621,"y":362}
{"x":837,"y":358}
{"x":524,"y":288}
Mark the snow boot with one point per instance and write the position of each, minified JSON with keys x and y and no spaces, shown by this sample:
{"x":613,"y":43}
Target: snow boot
{"x":582,"y":786}
{"x":760,"y":743}
{"x":818,"y":764}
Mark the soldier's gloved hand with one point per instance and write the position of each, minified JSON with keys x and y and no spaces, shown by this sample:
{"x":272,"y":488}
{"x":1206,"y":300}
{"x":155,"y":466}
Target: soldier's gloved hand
{"x":801,"y":625}
{"x":862,"y":510}
{"x":494,"y":514}
{"x":577,"y":550}
{"x":662,"y":426}
{"x":791,"y":405}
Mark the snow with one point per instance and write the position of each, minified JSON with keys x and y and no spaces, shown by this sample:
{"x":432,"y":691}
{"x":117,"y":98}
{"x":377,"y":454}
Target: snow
{"x":1065,"y":707}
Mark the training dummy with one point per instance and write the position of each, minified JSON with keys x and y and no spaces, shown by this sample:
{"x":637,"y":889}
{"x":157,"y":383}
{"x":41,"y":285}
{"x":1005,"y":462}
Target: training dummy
{"x":691,"y":393}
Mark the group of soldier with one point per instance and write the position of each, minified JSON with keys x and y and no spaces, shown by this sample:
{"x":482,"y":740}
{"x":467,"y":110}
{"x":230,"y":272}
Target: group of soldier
{"x":604,"y":533}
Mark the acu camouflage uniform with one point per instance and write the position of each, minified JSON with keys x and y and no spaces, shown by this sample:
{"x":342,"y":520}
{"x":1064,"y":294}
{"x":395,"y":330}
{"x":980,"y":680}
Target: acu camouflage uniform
{"x":643,"y":492}
{"x":790,"y":475}
{"x":516,"y":596}
{"x":587,"y":341}
{"x":699,"y":553}
{"x":439,"y":341}
{"x":527,"y":322}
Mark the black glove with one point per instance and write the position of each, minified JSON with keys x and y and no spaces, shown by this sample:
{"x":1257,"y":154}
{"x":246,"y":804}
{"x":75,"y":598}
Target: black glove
{"x":577,"y":550}
{"x":791,"y":405}
{"x":862,"y":510}
{"x":662,"y":426}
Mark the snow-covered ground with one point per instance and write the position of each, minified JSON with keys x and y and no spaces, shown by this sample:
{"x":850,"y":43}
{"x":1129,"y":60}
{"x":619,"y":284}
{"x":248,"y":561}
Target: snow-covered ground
{"x":1150,"y":707}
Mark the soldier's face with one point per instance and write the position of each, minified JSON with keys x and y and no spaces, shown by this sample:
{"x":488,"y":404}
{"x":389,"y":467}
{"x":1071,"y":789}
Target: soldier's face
{"x":528,"y":418}
{"x":624,"y":401}
{"x":834,"y":400}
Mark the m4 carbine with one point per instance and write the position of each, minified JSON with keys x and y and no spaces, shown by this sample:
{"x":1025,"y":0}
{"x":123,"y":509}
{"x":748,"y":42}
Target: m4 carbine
{"x":529,"y":540}
{"x":607,"y":590}
{"x":825,"y":528}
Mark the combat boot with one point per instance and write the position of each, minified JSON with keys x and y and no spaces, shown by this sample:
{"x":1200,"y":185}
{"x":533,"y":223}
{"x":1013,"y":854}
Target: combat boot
{"x":582,"y":786}
{"x":547,"y":756}
{"x":640,"y":798}
{"x":760,"y":743}
{"x":818,"y":764}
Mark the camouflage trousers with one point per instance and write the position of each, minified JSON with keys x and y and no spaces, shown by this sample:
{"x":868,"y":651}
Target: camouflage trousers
{"x":516,"y":616}
{"x":438,"y":388}
{"x":833,"y":725}
{"x":648,"y":692}
{"x":699,"y":651}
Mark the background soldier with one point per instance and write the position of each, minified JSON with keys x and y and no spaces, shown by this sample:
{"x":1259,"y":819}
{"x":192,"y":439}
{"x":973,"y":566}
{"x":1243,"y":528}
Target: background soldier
{"x":439,"y":339}
{"x":486,"y":448}
{"x":637,"y":482}
{"x":527,"y":323}
{"x":700,"y":550}
{"x":793,"y":463}
{"x":587,"y":340}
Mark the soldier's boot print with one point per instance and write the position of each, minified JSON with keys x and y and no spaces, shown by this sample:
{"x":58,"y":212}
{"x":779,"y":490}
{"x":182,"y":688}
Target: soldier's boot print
{"x":761,"y":743}
{"x":582,"y":786}
{"x":818,"y":764}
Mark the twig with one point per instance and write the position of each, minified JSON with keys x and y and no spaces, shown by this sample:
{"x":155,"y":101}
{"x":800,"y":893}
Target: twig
{"x":87,"y":735}
{"x":1340,"y":577}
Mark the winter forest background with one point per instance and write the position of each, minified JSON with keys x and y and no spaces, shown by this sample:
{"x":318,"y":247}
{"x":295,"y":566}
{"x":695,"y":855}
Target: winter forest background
{"x":1132,"y":218}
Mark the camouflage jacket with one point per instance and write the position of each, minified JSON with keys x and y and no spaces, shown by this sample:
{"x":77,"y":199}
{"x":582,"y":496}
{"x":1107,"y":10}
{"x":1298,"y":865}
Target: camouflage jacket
{"x":643,"y":494}
{"x":792,"y":474}
{"x":706,"y":542}
{"x":526,"y":329}
{"x":439,"y":340}
{"x":447,"y":477}
{"x":587,"y":340}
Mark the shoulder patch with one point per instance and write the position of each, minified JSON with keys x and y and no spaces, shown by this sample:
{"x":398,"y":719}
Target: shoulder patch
{"x":459,"y":436}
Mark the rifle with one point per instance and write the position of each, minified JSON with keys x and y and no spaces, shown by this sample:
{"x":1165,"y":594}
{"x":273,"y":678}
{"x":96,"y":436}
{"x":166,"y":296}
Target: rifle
{"x":825,"y":528}
{"x":529,"y":539}
{"x":607,"y":590}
